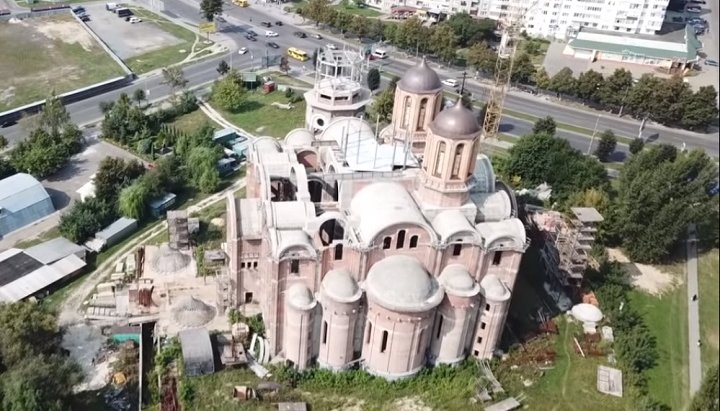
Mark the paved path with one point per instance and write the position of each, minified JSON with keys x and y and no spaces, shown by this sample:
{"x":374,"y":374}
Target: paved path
{"x":693,"y":316}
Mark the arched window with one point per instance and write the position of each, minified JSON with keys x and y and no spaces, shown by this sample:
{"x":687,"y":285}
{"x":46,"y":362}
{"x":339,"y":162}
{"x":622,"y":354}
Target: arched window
{"x":421,"y":115}
{"x":383,"y":343}
{"x":413,"y":241}
{"x":457,"y":159}
{"x":406,"y":113}
{"x":400,"y":239}
{"x":386,"y":243}
{"x":440,"y":159}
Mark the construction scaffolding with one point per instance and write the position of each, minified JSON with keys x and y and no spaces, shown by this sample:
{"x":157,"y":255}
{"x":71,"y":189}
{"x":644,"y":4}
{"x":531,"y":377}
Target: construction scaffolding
{"x":568,"y":242}
{"x":178,"y":232}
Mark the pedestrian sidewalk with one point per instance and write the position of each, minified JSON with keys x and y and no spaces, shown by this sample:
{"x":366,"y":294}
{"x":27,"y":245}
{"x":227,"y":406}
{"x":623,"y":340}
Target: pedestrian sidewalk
{"x":695,"y":363}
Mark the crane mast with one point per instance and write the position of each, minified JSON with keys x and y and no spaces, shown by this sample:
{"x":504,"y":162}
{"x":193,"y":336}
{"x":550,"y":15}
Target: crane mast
{"x":503,"y":73}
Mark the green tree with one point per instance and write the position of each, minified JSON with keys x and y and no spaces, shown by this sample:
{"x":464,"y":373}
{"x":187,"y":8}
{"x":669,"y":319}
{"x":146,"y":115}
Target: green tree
{"x":523,"y":69}
{"x":707,"y":398}
{"x":615,"y":88}
{"x":223,"y":68}
{"x":382,"y":105}
{"x":228,"y":92}
{"x":700,"y":110}
{"x":373,"y":79}
{"x":133,"y":200}
{"x":3,"y":142}
{"x":86,"y":218}
{"x":6,"y":169}
{"x":174,"y":76}
{"x":669,"y":101}
{"x":588,"y":85}
{"x":541,"y":158}
{"x":39,"y":383}
{"x":390,"y":32}
{"x":26,"y":330}
{"x":482,"y":58}
{"x":637,"y":348}
{"x":466,"y":101}
{"x":314,"y":10}
{"x":39,"y":155}
{"x":470,"y":30}
{"x":53,"y":116}
{"x":139,"y":96}
{"x":545,"y":126}
{"x":563,"y":82}
{"x":409,"y":34}
{"x":443,"y":42}
{"x":376,"y":29}
{"x":660,"y":192}
{"x":542,"y":79}
{"x":636,"y":145}
{"x":211,"y":8}
{"x":606,"y":146}
{"x":360,"y":26}
{"x":202,"y":168}
{"x":639,"y":100}
{"x":113,"y":175}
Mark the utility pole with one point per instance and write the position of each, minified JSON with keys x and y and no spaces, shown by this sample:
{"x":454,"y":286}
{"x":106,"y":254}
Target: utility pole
{"x":592,"y":137}
{"x":462,"y":85}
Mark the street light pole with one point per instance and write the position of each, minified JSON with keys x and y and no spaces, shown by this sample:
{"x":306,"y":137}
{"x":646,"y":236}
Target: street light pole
{"x":592,"y":137}
{"x":462,"y":85}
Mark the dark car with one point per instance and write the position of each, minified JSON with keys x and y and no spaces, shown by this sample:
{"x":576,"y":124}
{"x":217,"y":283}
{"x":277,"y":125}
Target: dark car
{"x":300,"y":34}
{"x":266,"y":24}
{"x":251,"y":33}
{"x":78,"y":9}
{"x":251,"y":38}
{"x":84,"y":17}
{"x":278,"y":23}
{"x":273,"y":44}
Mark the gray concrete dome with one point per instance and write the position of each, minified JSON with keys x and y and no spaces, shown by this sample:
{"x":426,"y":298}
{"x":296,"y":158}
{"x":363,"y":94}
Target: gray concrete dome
{"x":341,"y":286}
{"x":401,"y":283}
{"x":456,"y":280}
{"x":420,"y":79}
{"x":300,"y":297}
{"x":455,"y":123}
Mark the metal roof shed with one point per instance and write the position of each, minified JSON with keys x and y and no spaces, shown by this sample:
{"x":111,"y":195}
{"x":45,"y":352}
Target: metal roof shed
{"x":197,"y":351}
{"x":23,"y":200}
{"x":223,"y":136}
{"x":160,"y":205}
{"x":55,"y":249}
{"x":112,"y":234}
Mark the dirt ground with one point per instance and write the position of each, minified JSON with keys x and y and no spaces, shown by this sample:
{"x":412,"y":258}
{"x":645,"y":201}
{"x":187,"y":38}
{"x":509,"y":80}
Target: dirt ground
{"x":646,"y":277}
{"x":49,"y":53}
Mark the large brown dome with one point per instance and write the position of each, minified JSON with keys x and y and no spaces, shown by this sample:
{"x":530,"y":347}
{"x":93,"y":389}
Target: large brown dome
{"x":420,"y":79}
{"x":456,"y":123}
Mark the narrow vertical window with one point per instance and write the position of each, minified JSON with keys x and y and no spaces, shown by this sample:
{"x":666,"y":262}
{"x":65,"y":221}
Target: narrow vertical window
{"x":406,"y":113}
{"x":324,"y":332}
{"x":457,"y":248}
{"x":439,"y":327}
{"x":400,"y":239}
{"x":487,"y":307}
{"x":294,"y":266}
{"x":456,"y":162}
{"x":369,"y":333}
{"x":338,"y":251}
{"x":413,"y":241}
{"x":421,"y":115}
{"x":483,"y":325}
{"x":497,"y":257}
{"x":383,"y":344}
{"x":439,"y":160}
{"x":420,"y":340}
{"x":386,"y":243}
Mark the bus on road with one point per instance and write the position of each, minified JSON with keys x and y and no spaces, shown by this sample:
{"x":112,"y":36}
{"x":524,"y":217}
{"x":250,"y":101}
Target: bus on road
{"x":297,"y":54}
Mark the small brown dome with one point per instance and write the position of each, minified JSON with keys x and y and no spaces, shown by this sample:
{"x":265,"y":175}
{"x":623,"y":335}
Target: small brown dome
{"x":456,"y":122}
{"x":420,"y":79}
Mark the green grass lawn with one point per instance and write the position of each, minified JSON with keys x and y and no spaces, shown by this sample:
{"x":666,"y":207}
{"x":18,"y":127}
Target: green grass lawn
{"x":538,"y":50}
{"x":44,"y":236}
{"x":191,"y":122}
{"x":49,"y":53}
{"x":167,"y":55}
{"x":261,"y":118}
{"x":350,"y":7}
{"x":282,"y":78}
{"x":709,"y":299}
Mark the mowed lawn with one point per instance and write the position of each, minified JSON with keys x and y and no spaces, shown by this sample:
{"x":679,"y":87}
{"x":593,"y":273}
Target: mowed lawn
{"x":192,"y":122}
{"x":49,"y":53}
{"x":259,"y":117}
{"x":709,"y":298}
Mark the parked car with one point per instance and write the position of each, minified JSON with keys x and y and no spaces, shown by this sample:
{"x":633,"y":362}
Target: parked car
{"x":278,"y":23}
{"x":252,"y":33}
{"x":694,"y":10}
{"x":450,"y":82}
{"x":78,"y":10}
{"x":134,"y":20}
{"x":266,"y":24}
{"x":317,"y":36}
{"x":270,"y":33}
{"x":242,"y":50}
{"x":273,"y":44}
{"x":331,"y":46}
{"x":251,"y":37}
{"x":711,"y":62}
{"x":84,"y":17}
{"x":300,"y":34}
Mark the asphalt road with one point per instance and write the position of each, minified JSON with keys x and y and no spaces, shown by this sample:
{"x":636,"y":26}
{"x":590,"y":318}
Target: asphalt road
{"x":240,"y":20}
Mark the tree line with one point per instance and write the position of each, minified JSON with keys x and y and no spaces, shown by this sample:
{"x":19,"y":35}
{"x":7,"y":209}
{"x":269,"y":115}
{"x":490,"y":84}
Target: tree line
{"x":659,"y":192}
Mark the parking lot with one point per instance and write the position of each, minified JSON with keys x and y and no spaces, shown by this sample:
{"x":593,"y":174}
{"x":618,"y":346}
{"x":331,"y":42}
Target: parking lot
{"x":126,"y":39}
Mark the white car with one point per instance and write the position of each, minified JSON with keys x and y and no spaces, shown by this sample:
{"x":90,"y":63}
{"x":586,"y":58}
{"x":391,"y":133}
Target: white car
{"x":270,"y":33}
{"x":450,"y":82}
{"x":242,"y":50}
{"x":331,"y":46}
{"x":134,"y":20}
{"x":694,"y":10}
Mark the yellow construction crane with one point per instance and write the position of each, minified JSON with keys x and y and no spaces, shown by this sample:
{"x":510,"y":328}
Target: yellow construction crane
{"x":503,"y":71}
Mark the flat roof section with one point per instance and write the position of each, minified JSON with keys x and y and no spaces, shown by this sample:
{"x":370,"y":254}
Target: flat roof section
{"x":633,"y":45}
{"x":17,"y":266}
{"x":587,"y":214}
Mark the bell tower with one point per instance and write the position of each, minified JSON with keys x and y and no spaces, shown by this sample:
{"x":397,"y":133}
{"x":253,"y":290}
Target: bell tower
{"x":449,"y":161}
{"x":418,"y":98}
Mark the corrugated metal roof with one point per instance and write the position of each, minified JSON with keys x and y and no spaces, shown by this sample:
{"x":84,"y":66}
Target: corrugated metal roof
{"x":119,"y":225}
{"x":197,"y":351}
{"x":162,"y":201}
{"x":42,"y":277}
{"x":53,"y":250}
{"x":20,"y":191}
